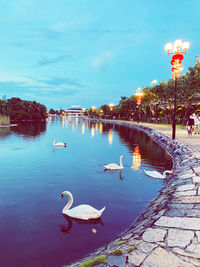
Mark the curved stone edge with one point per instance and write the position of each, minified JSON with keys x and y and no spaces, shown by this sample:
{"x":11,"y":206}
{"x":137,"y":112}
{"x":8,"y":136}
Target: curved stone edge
{"x":168,"y":232}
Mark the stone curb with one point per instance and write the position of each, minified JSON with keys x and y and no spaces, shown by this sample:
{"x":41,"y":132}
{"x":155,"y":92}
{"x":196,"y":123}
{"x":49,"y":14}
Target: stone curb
{"x":168,"y":232}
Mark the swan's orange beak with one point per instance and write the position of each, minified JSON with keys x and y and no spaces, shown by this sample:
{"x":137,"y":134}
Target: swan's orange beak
{"x":61,"y":196}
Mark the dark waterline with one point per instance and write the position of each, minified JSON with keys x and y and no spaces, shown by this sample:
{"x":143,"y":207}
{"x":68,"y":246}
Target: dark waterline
{"x":33,"y":231}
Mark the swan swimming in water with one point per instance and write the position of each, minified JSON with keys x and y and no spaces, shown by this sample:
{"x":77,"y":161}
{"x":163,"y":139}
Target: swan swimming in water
{"x":59,"y":143}
{"x":114,"y":166}
{"x":156,"y":174}
{"x":83,"y":212}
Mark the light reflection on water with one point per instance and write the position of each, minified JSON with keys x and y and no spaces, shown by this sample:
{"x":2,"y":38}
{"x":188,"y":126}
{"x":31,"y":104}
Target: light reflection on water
{"x":33,"y":231}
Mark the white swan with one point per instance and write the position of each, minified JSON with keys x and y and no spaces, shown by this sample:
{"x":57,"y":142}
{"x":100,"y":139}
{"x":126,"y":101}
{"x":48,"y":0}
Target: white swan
{"x":114,"y":166}
{"x":156,"y":174}
{"x":59,"y":143}
{"x":83,"y":212}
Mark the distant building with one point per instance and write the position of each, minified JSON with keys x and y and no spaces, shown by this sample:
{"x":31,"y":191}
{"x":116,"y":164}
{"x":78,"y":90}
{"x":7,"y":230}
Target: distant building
{"x":3,"y":97}
{"x":197,"y":59}
{"x":75,"y":111}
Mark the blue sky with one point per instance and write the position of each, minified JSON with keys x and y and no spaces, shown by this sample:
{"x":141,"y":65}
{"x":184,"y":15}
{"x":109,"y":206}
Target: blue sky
{"x":90,"y":52}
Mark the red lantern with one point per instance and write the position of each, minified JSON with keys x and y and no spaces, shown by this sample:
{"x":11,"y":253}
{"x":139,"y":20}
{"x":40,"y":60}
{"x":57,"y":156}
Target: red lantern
{"x":178,"y":56}
{"x":139,"y":100}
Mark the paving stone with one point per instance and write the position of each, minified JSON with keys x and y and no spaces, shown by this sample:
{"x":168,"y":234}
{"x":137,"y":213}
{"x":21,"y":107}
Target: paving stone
{"x":184,"y":253}
{"x":197,"y":206}
{"x":185,"y":187}
{"x":191,"y":213}
{"x":186,"y":193}
{"x":179,"y":222}
{"x":198,"y":214}
{"x":146,"y":247}
{"x":197,"y":169}
{"x":134,"y":242}
{"x":194,"y":262}
{"x":198,"y":235}
{"x":187,"y":175}
{"x":117,"y":260}
{"x":175,"y":213}
{"x":194,"y":248}
{"x":196,"y":179}
{"x":181,"y":206}
{"x":127,"y":236}
{"x":187,"y":200}
{"x":136,"y":257}
{"x":179,"y":238}
{"x":154,"y":235}
{"x":162,"y":258}
{"x":196,"y":155}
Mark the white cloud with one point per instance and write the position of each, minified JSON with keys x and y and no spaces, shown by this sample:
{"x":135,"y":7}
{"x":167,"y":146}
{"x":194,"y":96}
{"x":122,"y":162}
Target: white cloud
{"x":102,"y":59}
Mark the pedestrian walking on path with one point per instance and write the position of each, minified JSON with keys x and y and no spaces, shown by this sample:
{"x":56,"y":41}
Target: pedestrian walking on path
{"x":190,"y":125}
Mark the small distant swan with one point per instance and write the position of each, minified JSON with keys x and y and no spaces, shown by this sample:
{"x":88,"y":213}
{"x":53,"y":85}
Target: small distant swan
{"x":59,"y":143}
{"x":114,"y":166}
{"x":83,"y":212}
{"x":156,"y":174}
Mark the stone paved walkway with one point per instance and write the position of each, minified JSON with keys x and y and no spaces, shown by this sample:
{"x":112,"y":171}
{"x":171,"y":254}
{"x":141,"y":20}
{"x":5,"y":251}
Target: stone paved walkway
{"x":168,"y":232}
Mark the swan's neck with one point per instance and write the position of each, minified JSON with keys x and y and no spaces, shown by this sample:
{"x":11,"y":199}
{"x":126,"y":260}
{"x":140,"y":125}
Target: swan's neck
{"x":54,"y":141}
{"x":69,"y":203}
{"x":121,"y":165}
{"x":165,"y":173}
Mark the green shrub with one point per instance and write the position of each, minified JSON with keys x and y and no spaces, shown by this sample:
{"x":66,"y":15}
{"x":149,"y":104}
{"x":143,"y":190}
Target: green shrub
{"x":120,"y":242}
{"x":116,"y":252}
{"x":131,"y":249}
{"x":4,"y":120}
{"x":93,"y":262}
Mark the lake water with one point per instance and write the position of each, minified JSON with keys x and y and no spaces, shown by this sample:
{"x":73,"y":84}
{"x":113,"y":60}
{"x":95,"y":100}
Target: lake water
{"x":33,"y":231}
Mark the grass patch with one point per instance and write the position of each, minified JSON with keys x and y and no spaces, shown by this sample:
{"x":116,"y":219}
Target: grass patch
{"x":4,"y":120}
{"x":93,"y":262}
{"x":116,"y":252}
{"x":120,"y":242}
{"x":131,"y":249}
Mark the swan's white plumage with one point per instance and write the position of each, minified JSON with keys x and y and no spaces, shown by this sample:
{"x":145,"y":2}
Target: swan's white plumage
{"x":114,"y":166}
{"x":156,"y":174}
{"x":83,"y":212}
{"x":59,"y":143}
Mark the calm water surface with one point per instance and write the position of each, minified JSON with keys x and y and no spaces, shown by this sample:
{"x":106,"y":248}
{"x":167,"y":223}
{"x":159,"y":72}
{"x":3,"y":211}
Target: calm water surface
{"x":33,"y":231}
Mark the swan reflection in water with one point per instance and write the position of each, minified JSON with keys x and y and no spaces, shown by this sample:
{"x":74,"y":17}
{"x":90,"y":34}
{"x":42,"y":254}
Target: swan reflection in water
{"x":71,"y":221}
{"x":114,"y":171}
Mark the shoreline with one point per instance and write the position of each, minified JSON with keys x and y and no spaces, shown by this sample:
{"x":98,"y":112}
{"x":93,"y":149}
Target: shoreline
{"x":168,"y":231}
{"x":9,"y":125}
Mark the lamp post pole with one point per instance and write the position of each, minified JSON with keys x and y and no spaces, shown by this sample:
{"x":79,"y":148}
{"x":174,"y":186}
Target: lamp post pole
{"x":139,"y":96}
{"x":176,"y":62}
{"x":174,"y":113}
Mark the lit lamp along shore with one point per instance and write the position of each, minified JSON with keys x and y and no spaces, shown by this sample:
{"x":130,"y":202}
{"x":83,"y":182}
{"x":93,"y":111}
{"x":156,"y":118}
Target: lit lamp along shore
{"x":177,"y":50}
{"x":139,"y":96}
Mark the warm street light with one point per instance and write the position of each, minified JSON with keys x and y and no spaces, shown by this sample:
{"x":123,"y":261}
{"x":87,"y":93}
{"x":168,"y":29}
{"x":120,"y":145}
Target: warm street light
{"x":111,"y":105}
{"x":177,"y":50}
{"x":154,"y":82}
{"x":93,"y":108}
{"x":139,"y":96}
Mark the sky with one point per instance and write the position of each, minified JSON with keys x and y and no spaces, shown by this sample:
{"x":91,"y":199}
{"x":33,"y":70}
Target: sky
{"x":91,"y":52}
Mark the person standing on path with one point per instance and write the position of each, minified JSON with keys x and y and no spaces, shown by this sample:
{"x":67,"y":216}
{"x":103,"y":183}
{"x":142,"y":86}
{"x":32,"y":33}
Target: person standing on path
{"x":190,"y":125}
{"x":196,"y":123}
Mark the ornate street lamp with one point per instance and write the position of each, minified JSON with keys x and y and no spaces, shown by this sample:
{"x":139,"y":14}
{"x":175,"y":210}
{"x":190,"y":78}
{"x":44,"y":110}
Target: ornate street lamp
{"x":93,"y":108}
{"x":177,"y":50}
{"x":111,"y":105}
{"x":154,"y":82}
{"x":139,"y":96}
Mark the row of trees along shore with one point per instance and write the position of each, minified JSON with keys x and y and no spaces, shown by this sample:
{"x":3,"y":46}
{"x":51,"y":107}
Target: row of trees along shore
{"x":21,"y":110}
{"x":157,"y":101}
